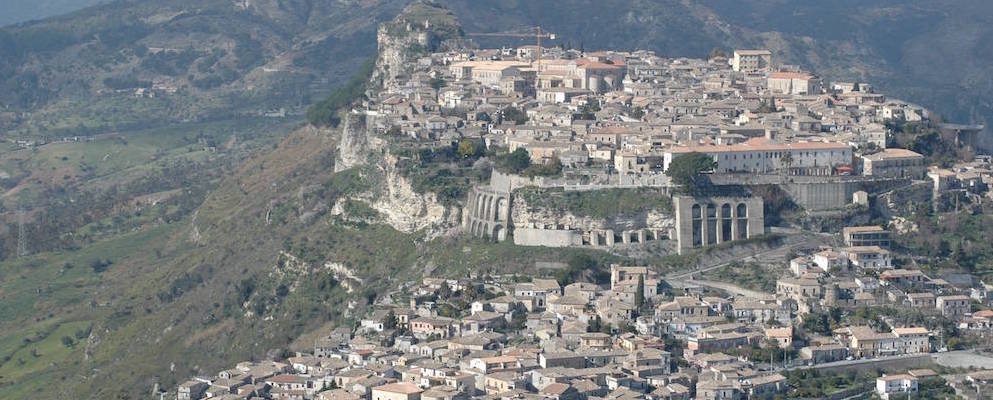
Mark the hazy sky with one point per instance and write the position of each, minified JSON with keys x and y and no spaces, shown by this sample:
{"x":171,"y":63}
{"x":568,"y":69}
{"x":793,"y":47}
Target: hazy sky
{"x":14,"y":11}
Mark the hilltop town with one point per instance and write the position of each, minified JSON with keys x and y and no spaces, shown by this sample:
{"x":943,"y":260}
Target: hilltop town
{"x":800,"y":191}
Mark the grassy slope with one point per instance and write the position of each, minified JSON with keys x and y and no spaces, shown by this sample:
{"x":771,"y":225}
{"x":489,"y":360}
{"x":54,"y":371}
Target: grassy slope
{"x":224,"y":60}
{"x":138,"y":335}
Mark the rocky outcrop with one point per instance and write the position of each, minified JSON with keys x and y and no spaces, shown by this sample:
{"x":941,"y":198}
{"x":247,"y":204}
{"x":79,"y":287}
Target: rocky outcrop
{"x":408,"y":211}
{"x":422,"y":27}
{"x":354,"y":147}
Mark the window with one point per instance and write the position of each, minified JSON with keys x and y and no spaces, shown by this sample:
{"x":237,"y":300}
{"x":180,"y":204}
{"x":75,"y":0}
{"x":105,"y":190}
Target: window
{"x":697,"y":225}
{"x":742,"y":216}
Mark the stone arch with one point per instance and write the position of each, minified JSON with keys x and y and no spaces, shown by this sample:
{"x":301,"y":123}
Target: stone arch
{"x":711,"y":224}
{"x":499,"y":233}
{"x":742,"y":218}
{"x":726,"y":223}
{"x":697,"y":225}
{"x":502,"y":209}
{"x":488,"y":215}
{"x":485,"y":230}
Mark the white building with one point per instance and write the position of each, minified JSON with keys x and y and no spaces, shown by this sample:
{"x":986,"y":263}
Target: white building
{"x":872,"y":257}
{"x":893,"y":384}
{"x":761,"y":155}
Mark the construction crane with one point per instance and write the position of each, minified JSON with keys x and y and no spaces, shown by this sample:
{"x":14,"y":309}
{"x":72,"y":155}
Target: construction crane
{"x":538,"y":35}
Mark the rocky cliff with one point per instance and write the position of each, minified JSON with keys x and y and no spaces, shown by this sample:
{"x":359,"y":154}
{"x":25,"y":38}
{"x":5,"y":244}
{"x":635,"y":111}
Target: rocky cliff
{"x":422,"y":27}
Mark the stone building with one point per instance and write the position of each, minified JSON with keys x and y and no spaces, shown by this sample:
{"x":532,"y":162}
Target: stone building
{"x":799,"y":83}
{"x":705,"y":221}
{"x":751,"y":60}
{"x":894,"y":163}
{"x":872,"y":235}
{"x":763,"y":156}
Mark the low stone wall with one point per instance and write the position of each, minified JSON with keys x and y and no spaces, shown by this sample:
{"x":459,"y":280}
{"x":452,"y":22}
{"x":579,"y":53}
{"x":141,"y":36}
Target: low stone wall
{"x":891,"y":365}
{"x":594,"y":238}
{"x":817,"y":196}
{"x":547,"y":237}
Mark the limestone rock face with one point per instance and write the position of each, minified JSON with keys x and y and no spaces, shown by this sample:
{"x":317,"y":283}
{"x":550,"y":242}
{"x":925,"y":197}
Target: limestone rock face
{"x":408,"y":211}
{"x":354,"y":147}
{"x":393,"y":197}
{"x":422,"y":27}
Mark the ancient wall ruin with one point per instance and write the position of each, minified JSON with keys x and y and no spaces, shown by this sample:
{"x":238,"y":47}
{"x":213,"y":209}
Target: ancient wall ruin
{"x":705,"y":220}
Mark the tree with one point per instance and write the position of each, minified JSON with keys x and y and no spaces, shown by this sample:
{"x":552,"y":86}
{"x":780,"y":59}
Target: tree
{"x":718,"y":52}
{"x":637,"y":113}
{"x":766,"y":107}
{"x":514,"y":115}
{"x":519,"y":317}
{"x":688,"y":170}
{"x":639,"y":293}
{"x":588,"y":111}
{"x":787,"y":160}
{"x":390,"y":320}
{"x":517,"y":161}
{"x":445,"y":291}
{"x":437,"y":83}
{"x":551,"y":168}
{"x":468,"y":148}
{"x":594,"y":325}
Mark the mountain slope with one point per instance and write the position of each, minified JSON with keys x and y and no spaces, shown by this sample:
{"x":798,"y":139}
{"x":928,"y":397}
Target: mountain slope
{"x":186,"y":60}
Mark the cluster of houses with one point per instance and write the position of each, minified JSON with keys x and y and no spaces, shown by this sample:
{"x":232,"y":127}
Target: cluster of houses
{"x":532,"y":339}
{"x":632,"y":112}
{"x":862,"y":275}
{"x":627,"y":338}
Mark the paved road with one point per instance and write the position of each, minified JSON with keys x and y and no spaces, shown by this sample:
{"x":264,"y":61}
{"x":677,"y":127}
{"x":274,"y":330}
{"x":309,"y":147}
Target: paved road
{"x":964,"y":359}
{"x":684,"y":279}
{"x":809,"y":239}
{"x":727,"y":287}
{"x":847,"y":363}
{"x":958,"y":359}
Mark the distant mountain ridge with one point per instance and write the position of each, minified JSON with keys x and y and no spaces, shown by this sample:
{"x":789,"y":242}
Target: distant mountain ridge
{"x":931,"y":52}
{"x":935,"y":53}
